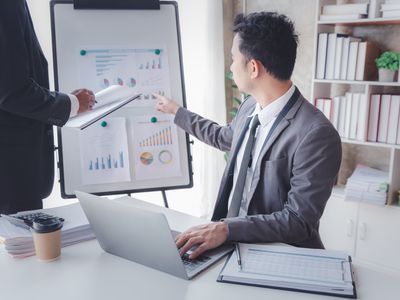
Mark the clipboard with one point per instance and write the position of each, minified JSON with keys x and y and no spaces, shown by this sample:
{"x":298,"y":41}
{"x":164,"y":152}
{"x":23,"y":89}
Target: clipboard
{"x":231,"y":272}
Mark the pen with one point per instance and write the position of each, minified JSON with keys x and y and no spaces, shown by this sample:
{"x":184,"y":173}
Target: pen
{"x":239,"y":260}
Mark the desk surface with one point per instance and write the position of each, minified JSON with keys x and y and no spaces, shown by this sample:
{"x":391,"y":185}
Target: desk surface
{"x":86,"y":272}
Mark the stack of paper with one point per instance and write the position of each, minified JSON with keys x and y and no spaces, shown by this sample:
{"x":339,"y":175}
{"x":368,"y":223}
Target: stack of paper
{"x":18,"y":242}
{"x":367,"y":185}
{"x":339,"y":12}
{"x":292,"y":268}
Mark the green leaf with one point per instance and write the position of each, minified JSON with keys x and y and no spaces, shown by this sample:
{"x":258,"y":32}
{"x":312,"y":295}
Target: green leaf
{"x":388,"y":60}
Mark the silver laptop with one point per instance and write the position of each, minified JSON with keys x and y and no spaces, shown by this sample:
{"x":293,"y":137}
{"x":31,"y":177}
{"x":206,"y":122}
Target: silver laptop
{"x":142,"y":236}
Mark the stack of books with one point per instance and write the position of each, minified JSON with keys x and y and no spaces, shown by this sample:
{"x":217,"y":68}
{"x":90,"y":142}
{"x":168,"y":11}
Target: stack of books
{"x":343,"y":57}
{"x":390,"y":9}
{"x":384,"y":119}
{"x":348,"y":114}
{"x":367,"y":185}
{"x":339,"y":12}
{"x":357,"y":118}
{"x":18,"y":241}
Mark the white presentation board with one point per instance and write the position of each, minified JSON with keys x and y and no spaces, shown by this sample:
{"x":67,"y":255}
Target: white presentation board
{"x":135,"y":148}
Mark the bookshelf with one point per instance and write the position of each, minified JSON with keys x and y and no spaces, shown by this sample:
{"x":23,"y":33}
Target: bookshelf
{"x":380,"y":31}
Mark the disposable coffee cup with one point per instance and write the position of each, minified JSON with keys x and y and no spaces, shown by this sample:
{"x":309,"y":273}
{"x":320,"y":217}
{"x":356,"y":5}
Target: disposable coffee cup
{"x":46,"y":233}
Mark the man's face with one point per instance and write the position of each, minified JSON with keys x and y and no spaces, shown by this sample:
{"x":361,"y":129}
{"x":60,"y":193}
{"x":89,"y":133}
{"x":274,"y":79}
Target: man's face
{"x":239,"y":68}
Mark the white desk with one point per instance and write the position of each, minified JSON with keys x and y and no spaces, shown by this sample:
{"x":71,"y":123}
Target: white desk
{"x":86,"y":272}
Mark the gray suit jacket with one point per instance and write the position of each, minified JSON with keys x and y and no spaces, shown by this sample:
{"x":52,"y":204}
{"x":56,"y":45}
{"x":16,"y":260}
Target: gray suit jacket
{"x":293,"y":177}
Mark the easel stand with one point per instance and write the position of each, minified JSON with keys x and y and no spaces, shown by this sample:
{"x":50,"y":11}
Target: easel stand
{"x":164,"y":195}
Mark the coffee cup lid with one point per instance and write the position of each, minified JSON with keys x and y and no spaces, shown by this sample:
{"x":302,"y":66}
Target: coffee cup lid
{"x":46,"y":224}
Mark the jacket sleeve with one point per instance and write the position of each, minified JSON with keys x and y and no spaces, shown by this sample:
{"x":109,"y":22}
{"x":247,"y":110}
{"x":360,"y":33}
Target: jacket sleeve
{"x":315,"y":166}
{"x":20,"y":94}
{"x":205,"y":130}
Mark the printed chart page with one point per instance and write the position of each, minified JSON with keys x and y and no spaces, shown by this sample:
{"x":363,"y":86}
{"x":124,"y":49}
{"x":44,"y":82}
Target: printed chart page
{"x":104,"y":154}
{"x":156,"y":147}
{"x":291,"y":267}
{"x":144,"y":70}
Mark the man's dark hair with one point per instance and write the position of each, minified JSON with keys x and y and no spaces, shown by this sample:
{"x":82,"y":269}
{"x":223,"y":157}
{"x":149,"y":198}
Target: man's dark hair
{"x":269,"y":38}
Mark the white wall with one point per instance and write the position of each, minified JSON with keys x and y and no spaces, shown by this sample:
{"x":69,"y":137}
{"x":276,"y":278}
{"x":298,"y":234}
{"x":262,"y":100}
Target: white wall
{"x":201,"y":30}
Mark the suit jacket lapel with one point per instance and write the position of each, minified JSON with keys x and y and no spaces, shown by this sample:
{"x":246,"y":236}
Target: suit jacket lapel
{"x":221,"y":205}
{"x":256,"y":176}
{"x":267,"y":145}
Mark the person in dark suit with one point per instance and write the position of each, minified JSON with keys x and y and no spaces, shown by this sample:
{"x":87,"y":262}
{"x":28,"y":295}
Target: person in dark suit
{"x":28,"y":111}
{"x":284,"y":154}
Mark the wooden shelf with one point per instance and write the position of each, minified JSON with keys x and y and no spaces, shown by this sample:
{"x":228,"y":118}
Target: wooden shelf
{"x":375,"y":83}
{"x":363,"y":22}
{"x":372,"y":144}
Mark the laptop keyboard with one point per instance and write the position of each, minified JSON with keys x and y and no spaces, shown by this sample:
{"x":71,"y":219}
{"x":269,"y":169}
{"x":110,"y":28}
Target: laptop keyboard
{"x":192,"y":264}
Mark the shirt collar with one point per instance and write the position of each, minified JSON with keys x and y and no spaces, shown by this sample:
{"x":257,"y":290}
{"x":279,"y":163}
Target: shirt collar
{"x":268,"y":113}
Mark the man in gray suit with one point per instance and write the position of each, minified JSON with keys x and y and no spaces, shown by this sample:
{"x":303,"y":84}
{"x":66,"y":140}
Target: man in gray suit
{"x":284,"y":154}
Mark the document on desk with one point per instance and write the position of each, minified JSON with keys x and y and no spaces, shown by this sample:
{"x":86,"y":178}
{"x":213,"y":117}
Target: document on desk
{"x":18,"y":241}
{"x":291,"y":268}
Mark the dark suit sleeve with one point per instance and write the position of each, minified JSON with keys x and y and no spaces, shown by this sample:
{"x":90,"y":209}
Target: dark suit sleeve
{"x":20,"y":94}
{"x":315,"y":166}
{"x":206,"y":130}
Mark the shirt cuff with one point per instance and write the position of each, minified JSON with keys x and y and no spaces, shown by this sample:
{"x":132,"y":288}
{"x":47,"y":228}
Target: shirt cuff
{"x":74,"y":105}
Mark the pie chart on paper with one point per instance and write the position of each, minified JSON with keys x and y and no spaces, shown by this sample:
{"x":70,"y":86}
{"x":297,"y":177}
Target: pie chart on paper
{"x":165,"y":157}
{"x":146,"y":158}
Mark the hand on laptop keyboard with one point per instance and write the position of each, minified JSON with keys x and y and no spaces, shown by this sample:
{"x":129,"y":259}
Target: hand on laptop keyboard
{"x":191,"y":264}
{"x":204,"y":237}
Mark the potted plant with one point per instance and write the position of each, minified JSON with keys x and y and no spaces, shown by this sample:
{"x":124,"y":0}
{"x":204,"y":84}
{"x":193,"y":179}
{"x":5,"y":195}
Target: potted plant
{"x":388,"y":64}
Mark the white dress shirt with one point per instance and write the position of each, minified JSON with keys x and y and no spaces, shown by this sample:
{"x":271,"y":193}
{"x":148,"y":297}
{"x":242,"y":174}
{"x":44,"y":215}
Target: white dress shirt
{"x":74,"y":105}
{"x":267,"y":117}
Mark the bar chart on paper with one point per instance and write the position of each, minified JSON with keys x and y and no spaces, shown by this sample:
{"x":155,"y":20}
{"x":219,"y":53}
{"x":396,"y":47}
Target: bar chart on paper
{"x":104,"y":155}
{"x":144,"y":70}
{"x":160,"y":138}
{"x":107,"y":162}
{"x":156,"y":148}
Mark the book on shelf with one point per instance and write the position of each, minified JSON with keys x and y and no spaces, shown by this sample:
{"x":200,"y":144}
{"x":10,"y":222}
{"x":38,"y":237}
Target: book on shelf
{"x":362,"y":125}
{"x":352,"y":62}
{"x":391,"y":13}
{"x":373,"y":120}
{"x":330,"y":57}
{"x":342,"y":116}
{"x":341,"y":17}
{"x":342,"y":9}
{"x":354,"y":116}
{"x":384,"y":118}
{"x":349,"y":99}
{"x":108,"y":100}
{"x":374,"y":8}
{"x":392,"y":6}
{"x":398,"y":133}
{"x":365,"y":66}
{"x":345,"y":55}
{"x":325,"y":106}
{"x":321,"y":55}
{"x":336,"y":102}
{"x":338,"y":57}
{"x":393,"y":119}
